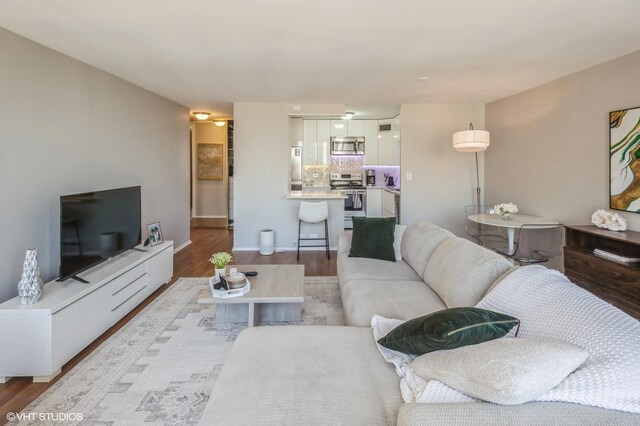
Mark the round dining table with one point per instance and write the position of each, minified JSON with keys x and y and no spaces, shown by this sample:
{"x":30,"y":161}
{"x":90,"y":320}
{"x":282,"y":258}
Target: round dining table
{"x":516,"y":222}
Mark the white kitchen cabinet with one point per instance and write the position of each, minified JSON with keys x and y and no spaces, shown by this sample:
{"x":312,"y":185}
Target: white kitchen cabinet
{"x":370,"y":142}
{"x":310,"y":137}
{"x":315,"y":147}
{"x":374,"y":202}
{"x":388,"y":204}
{"x":339,"y":128}
{"x":323,"y":145}
{"x":388,"y":148}
{"x":355,"y":128}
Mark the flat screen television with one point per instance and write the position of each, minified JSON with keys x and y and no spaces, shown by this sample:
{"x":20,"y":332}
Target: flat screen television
{"x":95,"y":226}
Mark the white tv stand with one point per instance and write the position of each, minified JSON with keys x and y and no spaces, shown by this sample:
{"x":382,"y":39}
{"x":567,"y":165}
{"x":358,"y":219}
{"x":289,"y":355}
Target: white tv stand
{"x":37,"y":340}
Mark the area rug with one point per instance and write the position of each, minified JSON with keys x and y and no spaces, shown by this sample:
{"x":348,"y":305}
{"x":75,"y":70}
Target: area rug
{"x":160,"y":367}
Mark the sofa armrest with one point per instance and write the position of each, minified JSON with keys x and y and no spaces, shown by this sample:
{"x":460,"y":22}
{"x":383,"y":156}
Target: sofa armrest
{"x":344,"y":241}
{"x":532,"y":413}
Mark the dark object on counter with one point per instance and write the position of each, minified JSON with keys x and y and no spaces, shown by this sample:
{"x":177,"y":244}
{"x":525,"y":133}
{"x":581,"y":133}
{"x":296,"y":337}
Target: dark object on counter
{"x":390,"y":181}
{"x":371,"y":177}
{"x":250,"y":274}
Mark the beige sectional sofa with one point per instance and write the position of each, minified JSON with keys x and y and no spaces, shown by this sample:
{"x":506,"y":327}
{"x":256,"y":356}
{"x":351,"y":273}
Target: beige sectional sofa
{"x":328,"y":375}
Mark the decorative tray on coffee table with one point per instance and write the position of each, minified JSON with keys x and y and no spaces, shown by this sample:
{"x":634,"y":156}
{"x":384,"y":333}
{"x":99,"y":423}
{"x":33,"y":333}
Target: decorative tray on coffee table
{"x":232,"y":292}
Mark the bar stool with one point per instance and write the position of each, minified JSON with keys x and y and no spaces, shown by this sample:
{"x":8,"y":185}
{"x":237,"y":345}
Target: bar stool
{"x":314,"y":213}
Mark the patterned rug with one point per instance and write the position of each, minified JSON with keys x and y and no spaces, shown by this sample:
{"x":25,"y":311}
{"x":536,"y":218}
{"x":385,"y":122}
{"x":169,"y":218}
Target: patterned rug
{"x":161,"y":366}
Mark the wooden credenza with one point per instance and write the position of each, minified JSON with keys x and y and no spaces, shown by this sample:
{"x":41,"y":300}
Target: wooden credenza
{"x":617,"y":283}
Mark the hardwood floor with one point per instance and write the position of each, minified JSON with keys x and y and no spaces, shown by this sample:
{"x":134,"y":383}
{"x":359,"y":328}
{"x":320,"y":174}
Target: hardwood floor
{"x":192,"y":261}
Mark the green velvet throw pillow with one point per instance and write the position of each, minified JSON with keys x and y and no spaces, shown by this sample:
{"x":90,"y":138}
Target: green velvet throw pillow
{"x":373,"y":238}
{"x":448,"y":329}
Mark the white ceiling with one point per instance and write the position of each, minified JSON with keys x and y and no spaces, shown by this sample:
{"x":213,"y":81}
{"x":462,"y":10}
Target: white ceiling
{"x":207,"y":54}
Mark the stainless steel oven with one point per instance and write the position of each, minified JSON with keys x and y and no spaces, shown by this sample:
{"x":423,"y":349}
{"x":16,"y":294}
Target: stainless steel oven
{"x":351,"y":186}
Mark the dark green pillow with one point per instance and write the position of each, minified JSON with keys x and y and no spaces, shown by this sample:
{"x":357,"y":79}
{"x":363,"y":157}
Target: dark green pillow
{"x":448,"y":329}
{"x":373,"y":238}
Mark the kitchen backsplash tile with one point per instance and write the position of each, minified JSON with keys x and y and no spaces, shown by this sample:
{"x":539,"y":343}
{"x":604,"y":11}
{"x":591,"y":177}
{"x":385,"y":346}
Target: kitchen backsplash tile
{"x":347,"y":164}
{"x":316,"y":176}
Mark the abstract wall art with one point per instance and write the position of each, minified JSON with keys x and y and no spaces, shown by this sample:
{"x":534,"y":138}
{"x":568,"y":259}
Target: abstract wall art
{"x":210,"y":161}
{"x":624,"y":153}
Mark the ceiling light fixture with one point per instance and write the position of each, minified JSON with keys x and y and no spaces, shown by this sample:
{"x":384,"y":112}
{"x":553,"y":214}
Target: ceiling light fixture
{"x":201,"y":115}
{"x":348,"y":115}
{"x":472,"y":141}
{"x":219,"y":123}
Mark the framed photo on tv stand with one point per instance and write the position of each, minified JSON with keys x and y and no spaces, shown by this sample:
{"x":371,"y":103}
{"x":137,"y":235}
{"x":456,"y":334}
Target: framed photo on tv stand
{"x":155,"y":234}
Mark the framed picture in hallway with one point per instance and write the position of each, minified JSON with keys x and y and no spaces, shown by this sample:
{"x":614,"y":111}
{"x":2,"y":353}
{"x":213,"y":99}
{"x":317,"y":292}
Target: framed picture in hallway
{"x":210,"y":161}
{"x":624,"y":157}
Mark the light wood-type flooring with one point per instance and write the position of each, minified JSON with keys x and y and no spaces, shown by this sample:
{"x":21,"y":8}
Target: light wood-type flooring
{"x":192,"y":261}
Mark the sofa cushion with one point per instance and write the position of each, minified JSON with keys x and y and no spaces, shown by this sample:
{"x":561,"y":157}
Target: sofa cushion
{"x":448,"y":329}
{"x":362,"y":299}
{"x":359,"y":268}
{"x":552,"y":307}
{"x":419,"y":242}
{"x":373,"y":238}
{"x":461,"y":271}
{"x":535,"y":414}
{"x":304,"y":375}
{"x":397,"y":240}
{"x":504,"y":371}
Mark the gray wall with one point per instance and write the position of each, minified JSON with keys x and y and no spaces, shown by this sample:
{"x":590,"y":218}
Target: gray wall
{"x":210,"y":196}
{"x":549,"y":145}
{"x":68,"y":127}
{"x":444,"y":180}
{"x":261,"y":175}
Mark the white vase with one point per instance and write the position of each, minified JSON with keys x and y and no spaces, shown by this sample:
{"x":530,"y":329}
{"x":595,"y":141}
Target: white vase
{"x":30,"y":286}
{"x":221,"y":271}
{"x":506,"y":216}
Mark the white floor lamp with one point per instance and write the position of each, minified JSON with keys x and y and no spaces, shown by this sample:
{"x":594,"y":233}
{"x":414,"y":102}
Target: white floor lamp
{"x":472,"y":141}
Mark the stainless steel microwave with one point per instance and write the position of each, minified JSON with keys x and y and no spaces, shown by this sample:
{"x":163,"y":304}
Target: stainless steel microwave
{"x":348,"y":145}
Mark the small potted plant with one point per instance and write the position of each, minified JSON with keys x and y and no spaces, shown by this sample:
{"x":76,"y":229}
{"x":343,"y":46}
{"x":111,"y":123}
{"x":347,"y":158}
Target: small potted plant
{"x":220,"y":261}
{"x":506,"y":210}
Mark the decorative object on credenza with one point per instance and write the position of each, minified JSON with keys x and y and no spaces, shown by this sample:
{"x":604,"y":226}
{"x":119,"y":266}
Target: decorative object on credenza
{"x":30,"y":286}
{"x":609,"y":220}
{"x":220,"y":260}
{"x":472,"y":141}
{"x":506,"y":210}
{"x":155,"y":234}
{"x":624,"y":157}
{"x":210,"y":161}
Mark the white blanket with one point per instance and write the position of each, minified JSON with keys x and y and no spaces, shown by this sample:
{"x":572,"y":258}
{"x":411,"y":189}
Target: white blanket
{"x":549,"y":306}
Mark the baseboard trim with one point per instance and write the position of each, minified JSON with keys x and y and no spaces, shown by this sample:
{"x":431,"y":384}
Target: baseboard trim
{"x":181,"y":246}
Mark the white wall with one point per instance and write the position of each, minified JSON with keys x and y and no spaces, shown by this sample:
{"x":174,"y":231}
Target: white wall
{"x":444,"y":180}
{"x":549,"y":145}
{"x":210,"y":196}
{"x":261,"y":175}
{"x":67,"y":127}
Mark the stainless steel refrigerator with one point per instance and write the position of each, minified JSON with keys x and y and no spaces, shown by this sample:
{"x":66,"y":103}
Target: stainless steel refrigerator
{"x":295,"y":172}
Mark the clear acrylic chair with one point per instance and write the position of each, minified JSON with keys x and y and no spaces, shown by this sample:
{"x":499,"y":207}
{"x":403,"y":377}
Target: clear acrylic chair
{"x":485,"y":235}
{"x":536,"y":244}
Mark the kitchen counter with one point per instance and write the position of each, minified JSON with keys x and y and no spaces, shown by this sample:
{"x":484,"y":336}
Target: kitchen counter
{"x":391,"y":189}
{"x":315,"y":195}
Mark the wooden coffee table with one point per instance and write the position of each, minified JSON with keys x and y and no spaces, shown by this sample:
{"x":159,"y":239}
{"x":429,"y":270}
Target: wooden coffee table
{"x":277,"y":293}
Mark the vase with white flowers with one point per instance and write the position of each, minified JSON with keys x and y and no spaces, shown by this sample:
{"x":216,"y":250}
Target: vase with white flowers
{"x":220,"y":261}
{"x":506,"y":210}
